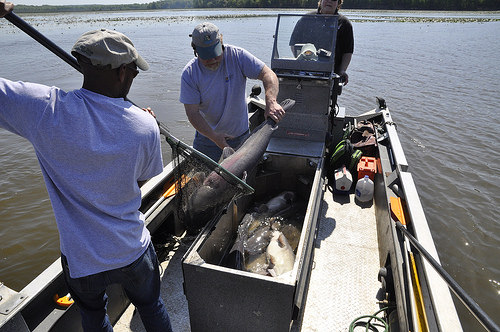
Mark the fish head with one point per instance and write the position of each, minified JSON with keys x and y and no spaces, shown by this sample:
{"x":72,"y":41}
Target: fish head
{"x":202,"y":198}
{"x":200,"y":208}
{"x":280,"y":255}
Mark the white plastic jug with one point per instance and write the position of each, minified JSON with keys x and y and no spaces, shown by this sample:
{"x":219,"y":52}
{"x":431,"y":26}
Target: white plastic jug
{"x":364,"y":189}
{"x":343,"y":179}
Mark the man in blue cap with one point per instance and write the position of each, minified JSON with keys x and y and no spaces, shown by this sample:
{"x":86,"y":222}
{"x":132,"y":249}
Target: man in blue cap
{"x":213,"y":91}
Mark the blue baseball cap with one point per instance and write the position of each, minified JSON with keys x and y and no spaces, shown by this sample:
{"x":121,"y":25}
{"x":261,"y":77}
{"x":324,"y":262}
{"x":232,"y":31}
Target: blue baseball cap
{"x":207,"y":40}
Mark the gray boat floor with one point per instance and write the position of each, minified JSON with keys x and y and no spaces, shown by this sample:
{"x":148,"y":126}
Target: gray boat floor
{"x":343,"y":283}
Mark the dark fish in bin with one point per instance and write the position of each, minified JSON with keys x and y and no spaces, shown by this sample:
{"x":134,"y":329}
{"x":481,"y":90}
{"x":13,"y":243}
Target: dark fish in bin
{"x":222,"y":298}
{"x":280,"y":255}
{"x":256,"y":231}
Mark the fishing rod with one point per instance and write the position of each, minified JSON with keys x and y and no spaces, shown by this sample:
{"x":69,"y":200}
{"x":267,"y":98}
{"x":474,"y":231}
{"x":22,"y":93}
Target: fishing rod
{"x":186,"y":150}
{"x":473,"y":307}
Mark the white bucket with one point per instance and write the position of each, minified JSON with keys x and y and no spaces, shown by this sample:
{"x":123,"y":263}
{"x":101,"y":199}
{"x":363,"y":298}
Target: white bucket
{"x":364,"y":189}
{"x":343,"y":179}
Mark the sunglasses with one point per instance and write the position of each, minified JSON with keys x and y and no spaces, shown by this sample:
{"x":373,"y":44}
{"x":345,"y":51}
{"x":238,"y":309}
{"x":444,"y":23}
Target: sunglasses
{"x":134,"y":69}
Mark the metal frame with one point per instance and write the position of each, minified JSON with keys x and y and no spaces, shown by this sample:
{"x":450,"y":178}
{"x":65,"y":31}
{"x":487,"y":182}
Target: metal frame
{"x":302,"y":68}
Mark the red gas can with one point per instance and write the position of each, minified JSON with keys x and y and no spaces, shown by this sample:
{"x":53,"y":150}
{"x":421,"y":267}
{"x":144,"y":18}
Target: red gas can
{"x":367,"y":166}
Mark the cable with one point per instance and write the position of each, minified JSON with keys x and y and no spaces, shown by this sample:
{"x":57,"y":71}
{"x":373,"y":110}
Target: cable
{"x":368,"y":323}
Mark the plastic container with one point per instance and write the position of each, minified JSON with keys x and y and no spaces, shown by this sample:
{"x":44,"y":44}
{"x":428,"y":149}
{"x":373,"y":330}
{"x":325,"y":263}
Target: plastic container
{"x":343,"y":180}
{"x":364,"y":189}
{"x":367,"y":166}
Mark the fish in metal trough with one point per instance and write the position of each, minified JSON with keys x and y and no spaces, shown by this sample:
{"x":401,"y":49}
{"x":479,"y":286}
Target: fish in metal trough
{"x":280,"y":255}
{"x":215,"y":191}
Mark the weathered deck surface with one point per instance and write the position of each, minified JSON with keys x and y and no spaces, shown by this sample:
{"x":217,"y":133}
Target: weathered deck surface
{"x":343,"y":283}
{"x":172,"y":294}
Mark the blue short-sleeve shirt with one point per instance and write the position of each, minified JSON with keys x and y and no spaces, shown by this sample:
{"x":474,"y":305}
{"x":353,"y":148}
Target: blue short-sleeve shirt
{"x":220,"y":94}
{"x":92,"y":150}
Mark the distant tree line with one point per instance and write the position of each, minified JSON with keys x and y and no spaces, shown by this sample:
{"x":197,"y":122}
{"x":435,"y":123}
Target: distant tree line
{"x":165,"y":4}
{"x":255,"y":3}
{"x":348,"y":4}
{"x":423,"y":4}
{"x":356,"y":4}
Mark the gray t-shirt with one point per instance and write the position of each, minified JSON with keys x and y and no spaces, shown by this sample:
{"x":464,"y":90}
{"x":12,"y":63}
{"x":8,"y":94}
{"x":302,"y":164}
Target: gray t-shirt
{"x":221,"y":93}
{"x":92,"y":150}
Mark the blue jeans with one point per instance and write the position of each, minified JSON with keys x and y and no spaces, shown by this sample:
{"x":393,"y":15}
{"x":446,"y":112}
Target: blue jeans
{"x":140,"y":281}
{"x":206,"y":146}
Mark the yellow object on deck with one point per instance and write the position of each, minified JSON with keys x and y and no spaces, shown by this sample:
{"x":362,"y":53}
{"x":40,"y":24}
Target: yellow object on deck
{"x":423,"y":325}
{"x":397,"y":210}
{"x":181,"y":183}
{"x":64,"y":301}
{"x":398,"y":213}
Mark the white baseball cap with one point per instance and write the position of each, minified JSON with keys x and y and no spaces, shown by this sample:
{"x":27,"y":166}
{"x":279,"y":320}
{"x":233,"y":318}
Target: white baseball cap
{"x":108,"y":47}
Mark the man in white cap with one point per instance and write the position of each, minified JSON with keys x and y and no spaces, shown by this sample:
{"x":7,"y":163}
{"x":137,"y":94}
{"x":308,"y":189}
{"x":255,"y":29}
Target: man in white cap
{"x":95,"y":149}
{"x":213,"y":91}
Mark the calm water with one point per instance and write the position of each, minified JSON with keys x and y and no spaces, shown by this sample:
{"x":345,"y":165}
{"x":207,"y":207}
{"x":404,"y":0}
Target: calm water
{"x":438,"y":72}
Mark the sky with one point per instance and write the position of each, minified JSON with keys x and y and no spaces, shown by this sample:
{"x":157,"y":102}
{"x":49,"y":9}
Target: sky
{"x":72,"y":2}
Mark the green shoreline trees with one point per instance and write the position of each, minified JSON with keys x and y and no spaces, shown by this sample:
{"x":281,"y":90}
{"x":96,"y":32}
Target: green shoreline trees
{"x":310,"y":4}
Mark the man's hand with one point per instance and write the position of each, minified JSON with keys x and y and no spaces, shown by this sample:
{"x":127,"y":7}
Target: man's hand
{"x":274,"y":111}
{"x":150,"y":111}
{"x":5,"y":7}
{"x":344,"y":78}
{"x":201,"y":125}
{"x":220,"y":139}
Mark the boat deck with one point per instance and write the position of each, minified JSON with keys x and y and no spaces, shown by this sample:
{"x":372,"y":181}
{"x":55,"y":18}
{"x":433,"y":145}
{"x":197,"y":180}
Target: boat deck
{"x":171,"y":290}
{"x":343,"y":283}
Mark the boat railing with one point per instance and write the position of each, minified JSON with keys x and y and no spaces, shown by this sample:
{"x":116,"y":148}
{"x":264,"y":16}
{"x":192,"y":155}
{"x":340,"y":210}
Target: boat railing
{"x":469,"y":303}
{"x":437,"y":277}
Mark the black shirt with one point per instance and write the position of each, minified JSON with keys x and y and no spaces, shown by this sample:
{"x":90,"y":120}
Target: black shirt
{"x":307,"y":31}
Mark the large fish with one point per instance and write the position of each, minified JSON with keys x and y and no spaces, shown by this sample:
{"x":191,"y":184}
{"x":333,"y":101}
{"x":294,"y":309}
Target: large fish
{"x":215,"y":192}
{"x":252,"y":250}
{"x":279,"y":254}
{"x":278,"y":203}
